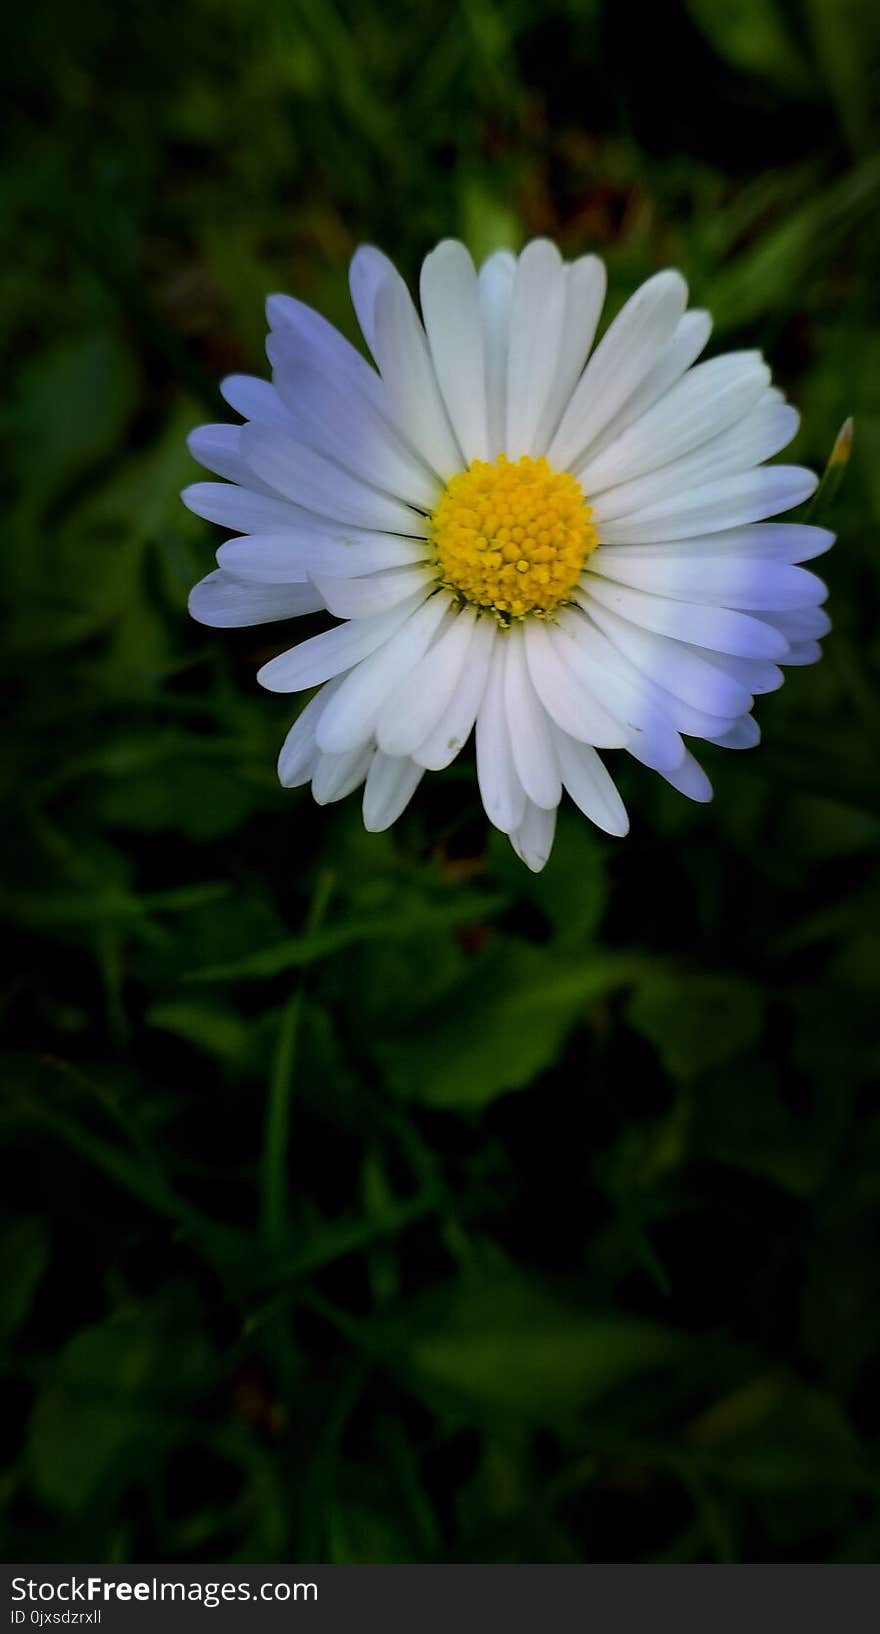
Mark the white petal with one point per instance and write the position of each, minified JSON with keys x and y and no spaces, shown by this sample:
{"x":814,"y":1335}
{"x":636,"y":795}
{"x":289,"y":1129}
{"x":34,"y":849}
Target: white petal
{"x":585,"y":283}
{"x":533,"y":840}
{"x":303,"y":475}
{"x":746,"y":581}
{"x":363,"y":598}
{"x":704,"y":626}
{"x":342,"y":423}
{"x":391,"y":783}
{"x":749,"y":497}
{"x":351,"y":717}
{"x":690,"y":779}
{"x":704,"y":403}
{"x":333,"y":651}
{"x":451,"y":310}
{"x":529,"y":728}
{"x":298,"y":553}
{"x":335,"y":776}
{"x":370,"y":268}
{"x":629,"y":348}
{"x":756,"y":675}
{"x":226,"y":603}
{"x":495,"y":280}
{"x":536,"y":317}
{"x":590,"y":785}
{"x":218,"y":448}
{"x":688,"y":339}
{"x":254,"y":399}
{"x":620,"y":689}
{"x":501,"y":790}
{"x":566,"y":698}
{"x":317,"y":343}
{"x":243,"y":509}
{"x":775,"y":541}
{"x":445,"y":740}
{"x":678,"y":667}
{"x":401,"y":351}
{"x":800,"y":623}
{"x":744,"y":734}
{"x":299,"y":751}
{"x":757,"y":436}
{"x":804,"y":652}
{"x":687,"y":719}
{"x":418,"y":703}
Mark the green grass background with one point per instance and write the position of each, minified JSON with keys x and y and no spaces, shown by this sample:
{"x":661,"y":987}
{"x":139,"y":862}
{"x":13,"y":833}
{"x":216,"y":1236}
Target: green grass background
{"x":365,"y":1197}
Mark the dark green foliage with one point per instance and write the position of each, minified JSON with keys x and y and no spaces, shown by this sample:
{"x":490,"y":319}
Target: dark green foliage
{"x":368,"y":1198}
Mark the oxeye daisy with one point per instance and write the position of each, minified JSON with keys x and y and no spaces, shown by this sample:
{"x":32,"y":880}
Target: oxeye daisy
{"x":561,"y":546}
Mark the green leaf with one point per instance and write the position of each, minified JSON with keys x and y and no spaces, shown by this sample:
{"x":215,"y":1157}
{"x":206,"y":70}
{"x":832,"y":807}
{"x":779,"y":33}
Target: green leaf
{"x":75,"y":405}
{"x":697,"y":1022}
{"x":114,"y":1403}
{"x":508,"y":1345}
{"x":751,"y":35}
{"x":24,"y":1255}
{"x":500,"y":1026}
{"x":778,"y":1435}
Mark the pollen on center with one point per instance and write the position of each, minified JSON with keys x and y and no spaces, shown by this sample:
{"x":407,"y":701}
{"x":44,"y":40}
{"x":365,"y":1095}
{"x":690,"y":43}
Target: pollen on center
{"x":512,"y":536}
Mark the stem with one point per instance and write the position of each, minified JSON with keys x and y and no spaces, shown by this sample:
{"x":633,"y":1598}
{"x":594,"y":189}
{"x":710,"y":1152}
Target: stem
{"x":276,"y":1138}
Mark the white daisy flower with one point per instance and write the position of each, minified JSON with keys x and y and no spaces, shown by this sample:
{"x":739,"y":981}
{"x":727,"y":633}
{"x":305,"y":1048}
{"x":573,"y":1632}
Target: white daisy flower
{"x":561,"y":546}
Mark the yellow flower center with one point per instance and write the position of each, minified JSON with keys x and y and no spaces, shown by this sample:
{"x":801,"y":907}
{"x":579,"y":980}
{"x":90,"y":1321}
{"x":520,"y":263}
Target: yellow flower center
{"x":513,"y":536}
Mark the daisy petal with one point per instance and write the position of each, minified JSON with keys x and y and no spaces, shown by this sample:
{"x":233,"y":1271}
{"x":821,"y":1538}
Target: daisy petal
{"x":303,"y":475}
{"x":537,"y":314}
{"x":620,"y":690}
{"x":495,"y":280}
{"x":585,"y":284}
{"x":530,"y":737}
{"x":590,"y":784}
{"x":299,"y":751}
{"x":332,"y":652}
{"x":335,"y":776}
{"x":351,"y":717}
{"x":675,"y":665}
{"x":688,"y":340}
{"x":755,"y":437}
{"x":243,"y":509}
{"x":706,"y":401}
{"x":218,"y":448}
{"x":744,"y":582}
{"x":339,"y":421}
{"x":298,"y":553}
{"x":749,"y":497}
{"x":369,"y":270}
{"x":502,"y":793}
{"x":391,"y":784}
{"x":566,"y":698}
{"x":716,"y":627}
{"x":451,"y":310}
{"x":629,"y":348}
{"x":690,"y":779}
{"x":445,"y":740}
{"x":804,"y":652}
{"x":744,"y":734}
{"x":775,"y":541}
{"x":401,"y":351}
{"x":533,"y":840}
{"x":315,"y":343}
{"x":254,"y":399}
{"x":227,"y":603}
{"x":363,"y":598}
{"x":412,"y":711}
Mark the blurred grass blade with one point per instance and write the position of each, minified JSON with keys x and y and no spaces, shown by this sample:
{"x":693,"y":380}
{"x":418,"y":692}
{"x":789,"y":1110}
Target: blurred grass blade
{"x":833,"y":474}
